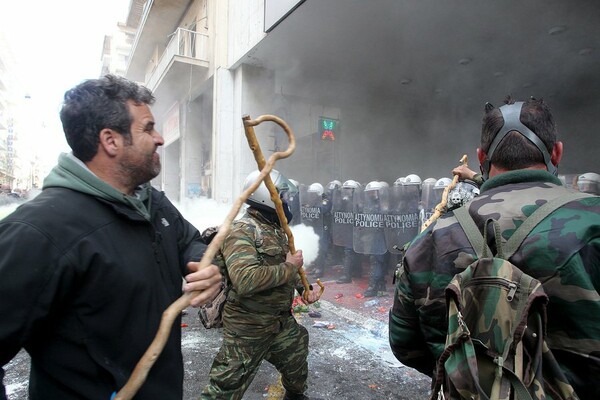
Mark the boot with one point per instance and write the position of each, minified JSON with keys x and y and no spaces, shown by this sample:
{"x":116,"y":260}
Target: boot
{"x":376,"y":279}
{"x":318,"y":273}
{"x":345,"y":277}
{"x":370,"y":292}
{"x":372,"y":289}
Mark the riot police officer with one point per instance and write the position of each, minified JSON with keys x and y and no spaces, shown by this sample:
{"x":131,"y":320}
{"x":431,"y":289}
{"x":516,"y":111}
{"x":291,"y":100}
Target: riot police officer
{"x":369,"y":232}
{"x":343,"y":224}
{"x":327,"y":250}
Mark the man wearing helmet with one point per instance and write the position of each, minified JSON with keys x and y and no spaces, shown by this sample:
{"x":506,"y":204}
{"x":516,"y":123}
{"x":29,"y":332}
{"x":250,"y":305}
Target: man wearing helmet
{"x":326,"y":248}
{"x":311,"y":214}
{"x":343,"y":224}
{"x":369,"y":235}
{"x":257,"y":320}
{"x":402,"y":221}
{"x":519,"y":155}
{"x":293,"y":201}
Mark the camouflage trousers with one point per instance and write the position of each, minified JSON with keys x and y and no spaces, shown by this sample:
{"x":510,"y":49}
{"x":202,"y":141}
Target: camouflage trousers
{"x":239,"y":358}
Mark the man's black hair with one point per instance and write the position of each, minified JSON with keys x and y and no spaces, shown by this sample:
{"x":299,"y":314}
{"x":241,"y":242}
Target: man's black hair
{"x":516,"y":151}
{"x":97,"y":104}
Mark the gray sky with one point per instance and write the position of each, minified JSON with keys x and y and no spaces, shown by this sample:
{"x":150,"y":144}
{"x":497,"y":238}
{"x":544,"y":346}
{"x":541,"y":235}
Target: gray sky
{"x":56,"y":44}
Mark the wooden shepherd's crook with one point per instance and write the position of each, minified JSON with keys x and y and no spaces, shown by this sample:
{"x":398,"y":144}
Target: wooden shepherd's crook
{"x":140,"y":373}
{"x":441,"y":207}
{"x":249,"y":125}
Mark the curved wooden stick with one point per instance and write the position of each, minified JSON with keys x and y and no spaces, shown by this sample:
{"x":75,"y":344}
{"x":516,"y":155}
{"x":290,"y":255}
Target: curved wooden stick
{"x":140,"y":373}
{"x":249,"y":125}
{"x":441,"y":207}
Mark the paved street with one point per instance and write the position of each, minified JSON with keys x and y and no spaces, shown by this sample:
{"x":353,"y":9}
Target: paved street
{"x":349,"y":353}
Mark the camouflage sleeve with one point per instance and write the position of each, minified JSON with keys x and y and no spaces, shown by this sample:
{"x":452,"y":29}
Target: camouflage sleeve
{"x":246,"y":272}
{"x":478,"y":179}
{"x":405,"y":336}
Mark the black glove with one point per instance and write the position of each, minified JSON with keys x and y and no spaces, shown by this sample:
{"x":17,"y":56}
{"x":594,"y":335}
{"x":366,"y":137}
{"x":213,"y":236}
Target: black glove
{"x":209,"y":234}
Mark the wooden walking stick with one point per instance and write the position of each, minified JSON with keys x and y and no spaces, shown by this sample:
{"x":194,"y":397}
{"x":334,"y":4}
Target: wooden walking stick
{"x":441,"y":207}
{"x":249,"y":125}
{"x":140,"y":373}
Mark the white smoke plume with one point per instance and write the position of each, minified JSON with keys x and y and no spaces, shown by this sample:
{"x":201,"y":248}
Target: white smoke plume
{"x":204,"y":213}
{"x":306,"y":240}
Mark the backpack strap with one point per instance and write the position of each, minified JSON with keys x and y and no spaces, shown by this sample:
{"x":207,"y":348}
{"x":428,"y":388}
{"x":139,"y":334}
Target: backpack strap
{"x":472,"y":231}
{"x":520,"y":391}
{"x":479,"y":244}
{"x":517,"y":238}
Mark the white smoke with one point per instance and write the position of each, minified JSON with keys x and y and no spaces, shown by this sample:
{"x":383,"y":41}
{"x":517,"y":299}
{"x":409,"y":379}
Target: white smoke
{"x":205,"y":213}
{"x":306,"y":240}
{"x":5,"y":210}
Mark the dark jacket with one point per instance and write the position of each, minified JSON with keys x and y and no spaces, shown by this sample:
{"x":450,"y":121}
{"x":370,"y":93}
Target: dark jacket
{"x":83,"y":283}
{"x":562,"y":252}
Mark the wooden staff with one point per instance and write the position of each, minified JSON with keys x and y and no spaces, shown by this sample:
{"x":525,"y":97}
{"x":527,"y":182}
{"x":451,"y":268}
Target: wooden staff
{"x":441,"y":207}
{"x":140,"y":373}
{"x":249,"y":125}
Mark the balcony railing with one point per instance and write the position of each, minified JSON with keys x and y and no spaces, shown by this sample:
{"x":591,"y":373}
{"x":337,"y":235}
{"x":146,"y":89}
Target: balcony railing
{"x":185,"y":44}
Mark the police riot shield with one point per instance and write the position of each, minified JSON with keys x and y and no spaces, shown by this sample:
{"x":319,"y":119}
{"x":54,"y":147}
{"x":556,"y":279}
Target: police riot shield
{"x":310,"y":210}
{"x":343,"y":217}
{"x":428,"y":200}
{"x":402,"y":222}
{"x":293,"y":201}
{"x":369,"y":221}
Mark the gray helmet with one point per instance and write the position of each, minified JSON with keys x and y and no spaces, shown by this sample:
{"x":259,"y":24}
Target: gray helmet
{"x":316,"y":188}
{"x":412,"y":179}
{"x":351,"y":184}
{"x":442,"y":183}
{"x":589,"y":183}
{"x":400,"y":181}
{"x":261,"y":196}
{"x":373,"y":185}
{"x":334,"y":184}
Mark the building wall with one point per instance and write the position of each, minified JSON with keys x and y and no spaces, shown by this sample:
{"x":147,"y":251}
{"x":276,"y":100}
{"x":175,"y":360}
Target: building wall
{"x":245,"y":27}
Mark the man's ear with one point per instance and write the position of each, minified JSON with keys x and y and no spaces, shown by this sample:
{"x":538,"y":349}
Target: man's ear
{"x":110,"y":142}
{"x":481,"y":156}
{"x":557,"y":152}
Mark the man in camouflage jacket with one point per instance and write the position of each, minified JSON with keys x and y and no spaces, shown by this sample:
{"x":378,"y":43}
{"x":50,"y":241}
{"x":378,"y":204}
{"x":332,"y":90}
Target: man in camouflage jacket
{"x":257,"y":320}
{"x":562,"y":252}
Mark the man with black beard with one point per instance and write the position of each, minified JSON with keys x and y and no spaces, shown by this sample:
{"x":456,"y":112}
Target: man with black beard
{"x":90,"y":264}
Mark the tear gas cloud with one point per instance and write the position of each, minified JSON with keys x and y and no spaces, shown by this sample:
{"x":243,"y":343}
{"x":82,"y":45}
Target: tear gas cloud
{"x":204,"y":213}
{"x":5,"y":210}
{"x":408,"y":82}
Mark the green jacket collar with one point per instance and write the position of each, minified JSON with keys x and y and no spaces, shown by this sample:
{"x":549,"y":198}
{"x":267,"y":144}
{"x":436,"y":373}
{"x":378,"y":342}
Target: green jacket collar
{"x":72,"y":173}
{"x":521,"y":175}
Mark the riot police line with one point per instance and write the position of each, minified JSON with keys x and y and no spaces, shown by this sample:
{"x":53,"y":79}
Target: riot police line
{"x":378,"y":218}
